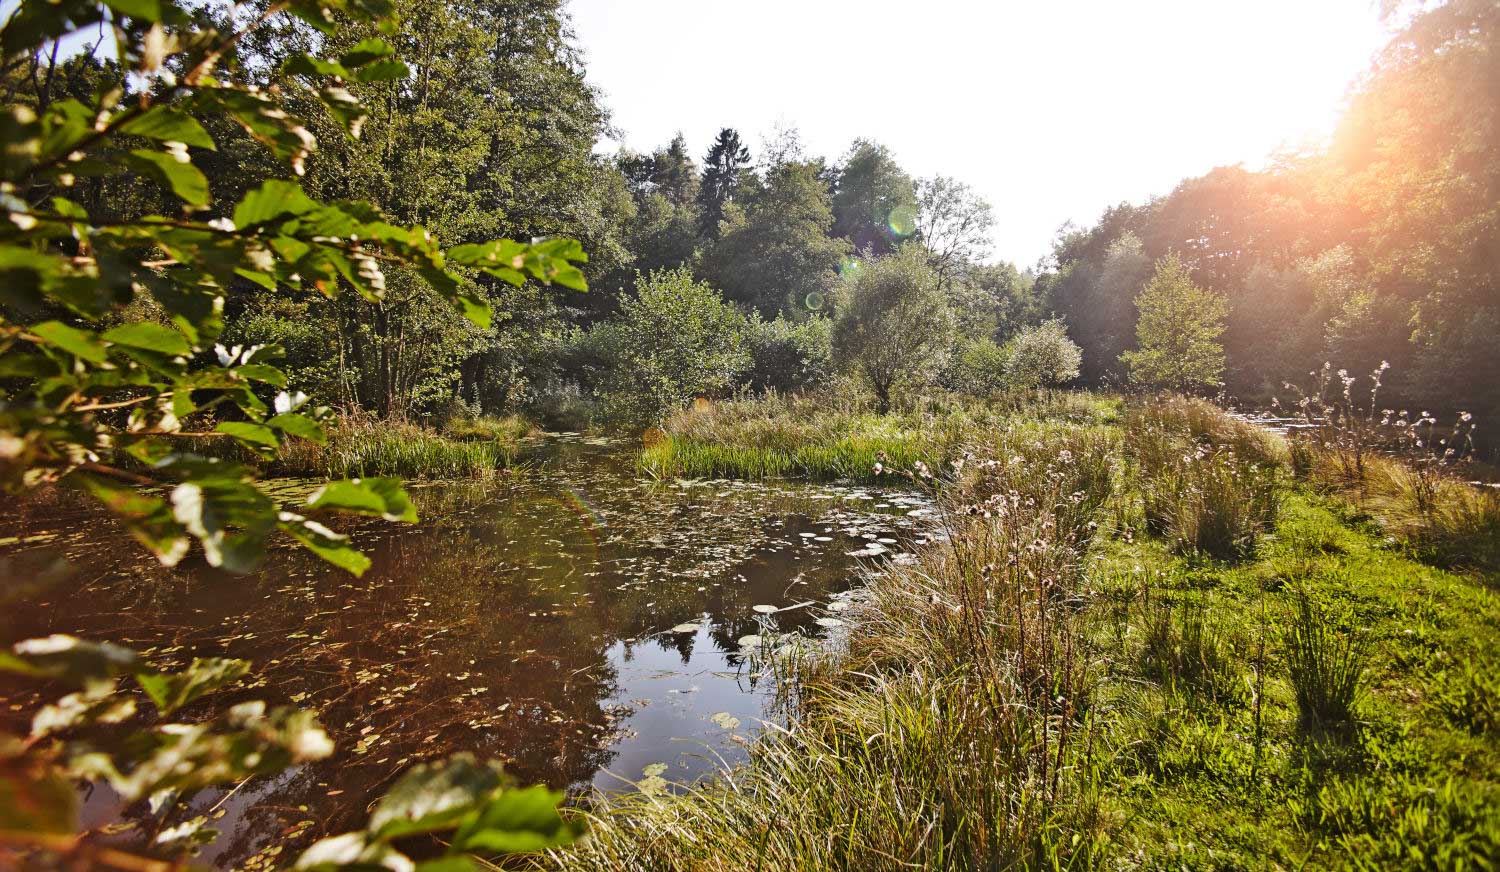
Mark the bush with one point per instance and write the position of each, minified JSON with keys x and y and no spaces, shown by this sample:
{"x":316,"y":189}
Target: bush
{"x":1041,"y":356}
{"x":977,"y":367}
{"x":788,"y":356}
{"x":675,"y":340}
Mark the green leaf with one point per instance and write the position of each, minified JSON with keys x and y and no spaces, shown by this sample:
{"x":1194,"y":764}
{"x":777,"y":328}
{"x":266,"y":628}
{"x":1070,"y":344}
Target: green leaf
{"x":145,"y":10}
{"x":272,"y":200}
{"x":299,"y":425}
{"x":434,"y":796}
{"x":366,"y":51}
{"x":325,"y":543}
{"x":78,"y":343}
{"x":172,"y":691}
{"x":308,"y":65}
{"x":148,"y":518}
{"x":70,"y":659}
{"x":263,"y":372}
{"x":183,"y":179}
{"x":351,"y":851}
{"x":368,"y":496}
{"x":382,"y":71}
{"x":477,"y":309}
{"x":515,"y":822}
{"x":166,"y":124}
{"x":149,"y":337}
{"x":246,"y":431}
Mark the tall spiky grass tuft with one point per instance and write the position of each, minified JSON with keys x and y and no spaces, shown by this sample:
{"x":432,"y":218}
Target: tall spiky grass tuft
{"x":1326,"y":663}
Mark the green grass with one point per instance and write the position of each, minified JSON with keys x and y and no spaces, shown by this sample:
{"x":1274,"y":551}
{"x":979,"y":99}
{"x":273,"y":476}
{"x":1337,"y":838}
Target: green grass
{"x":818,"y":438}
{"x":387,"y":448}
{"x":1050,"y":688}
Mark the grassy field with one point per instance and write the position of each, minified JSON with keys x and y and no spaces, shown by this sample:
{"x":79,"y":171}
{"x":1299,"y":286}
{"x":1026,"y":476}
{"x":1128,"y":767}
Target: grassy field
{"x":1147,"y":643}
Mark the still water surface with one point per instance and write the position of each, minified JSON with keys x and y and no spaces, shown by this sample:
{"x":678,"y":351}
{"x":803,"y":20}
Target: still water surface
{"x":572,"y":620}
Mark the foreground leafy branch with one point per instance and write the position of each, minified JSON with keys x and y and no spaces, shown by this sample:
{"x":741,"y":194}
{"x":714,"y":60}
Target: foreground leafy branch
{"x":109,"y":355}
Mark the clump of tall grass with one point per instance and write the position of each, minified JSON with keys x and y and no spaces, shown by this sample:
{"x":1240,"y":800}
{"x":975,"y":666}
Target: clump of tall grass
{"x":1198,"y":492}
{"x":1182,"y":648}
{"x":509,"y":429}
{"x":361,"y":446}
{"x":780,"y":435}
{"x":954,"y":730}
{"x":1202,"y":423}
{"x":1326,"y":665}
{"x":1403,"y":469}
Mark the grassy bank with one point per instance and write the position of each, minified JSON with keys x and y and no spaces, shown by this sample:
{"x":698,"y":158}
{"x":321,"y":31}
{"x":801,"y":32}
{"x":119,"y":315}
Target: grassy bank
{"x":365,"y":446}
{"x":821,"y":437}
{"x":1145,"y":644}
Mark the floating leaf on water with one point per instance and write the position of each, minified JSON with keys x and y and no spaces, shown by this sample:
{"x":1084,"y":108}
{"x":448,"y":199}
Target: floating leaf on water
{"x":764,"y":610}
{"x":726,"y":720}
{"x":654,"y":770}
{"x":750,"y":641}
{"x":829,"y":622}
{"x":686,"y":628}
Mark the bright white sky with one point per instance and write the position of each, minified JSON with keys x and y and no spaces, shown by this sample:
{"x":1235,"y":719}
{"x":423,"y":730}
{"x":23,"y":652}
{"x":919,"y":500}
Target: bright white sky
{"x":1051,"y":110}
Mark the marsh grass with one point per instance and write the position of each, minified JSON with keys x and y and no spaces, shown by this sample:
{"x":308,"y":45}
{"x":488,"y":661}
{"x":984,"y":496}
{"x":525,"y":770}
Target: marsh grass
{"x":837,"y":437}
{"x":508,"y":430}
{"x":1446,"y":520}
{"x":360,"y":446}
{"x":1198,"y":490}
{"x":952,"y":730}
{"x":1038,"y":692}
{"x":1183,"y":648}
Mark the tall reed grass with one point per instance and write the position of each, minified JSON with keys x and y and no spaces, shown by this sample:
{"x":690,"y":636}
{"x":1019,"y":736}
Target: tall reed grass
{"x":368,"y":447}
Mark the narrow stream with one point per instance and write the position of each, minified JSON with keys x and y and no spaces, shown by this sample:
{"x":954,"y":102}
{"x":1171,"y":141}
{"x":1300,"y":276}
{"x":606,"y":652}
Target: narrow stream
{"x":571,"y":619}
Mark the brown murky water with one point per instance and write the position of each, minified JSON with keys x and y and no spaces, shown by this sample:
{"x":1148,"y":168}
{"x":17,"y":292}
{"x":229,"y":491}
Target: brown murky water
{"x":572,"y":620}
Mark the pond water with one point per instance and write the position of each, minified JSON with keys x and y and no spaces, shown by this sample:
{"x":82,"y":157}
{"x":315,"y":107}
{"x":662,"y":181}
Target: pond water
{"x":571,"y":619}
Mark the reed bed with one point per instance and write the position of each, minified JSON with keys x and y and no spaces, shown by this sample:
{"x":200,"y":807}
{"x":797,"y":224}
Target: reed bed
{"x":366,"y":447}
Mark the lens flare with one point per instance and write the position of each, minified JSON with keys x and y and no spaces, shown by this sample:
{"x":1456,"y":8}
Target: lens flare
{"x":849,"y":266}
{"x":902,"y":222}
{"x":814,"y":301}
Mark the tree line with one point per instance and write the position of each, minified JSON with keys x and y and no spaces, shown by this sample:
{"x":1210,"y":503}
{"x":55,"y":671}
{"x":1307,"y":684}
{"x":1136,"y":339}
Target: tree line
{"x":1380,"y":247}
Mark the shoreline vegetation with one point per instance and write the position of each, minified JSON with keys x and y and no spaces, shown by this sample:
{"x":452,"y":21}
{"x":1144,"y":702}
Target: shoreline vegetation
{"x":1154,"y":636}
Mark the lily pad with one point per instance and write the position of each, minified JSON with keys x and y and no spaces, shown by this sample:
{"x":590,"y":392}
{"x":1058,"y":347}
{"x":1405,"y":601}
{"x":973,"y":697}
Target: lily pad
{"x":764,"y":610}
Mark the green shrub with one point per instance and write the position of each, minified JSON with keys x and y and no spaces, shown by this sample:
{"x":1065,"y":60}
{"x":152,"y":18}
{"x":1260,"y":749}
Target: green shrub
{"x":674,"y":340}
{"x":977,"y":367}
{"x":1041,"y":356}
{"x":788,"y":356}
